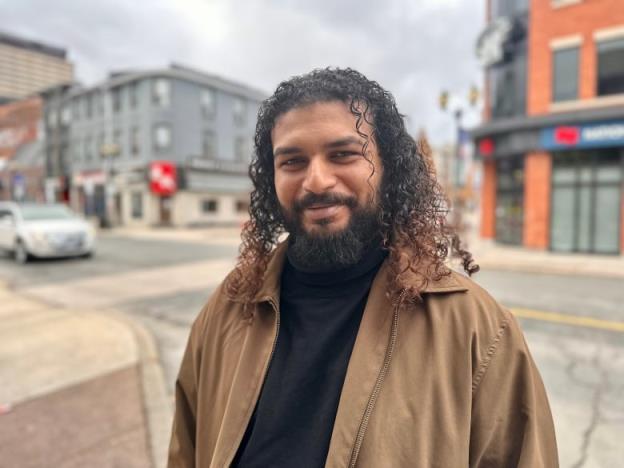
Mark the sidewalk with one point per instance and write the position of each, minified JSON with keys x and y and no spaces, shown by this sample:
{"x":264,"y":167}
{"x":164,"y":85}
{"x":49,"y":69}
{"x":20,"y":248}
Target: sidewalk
{"x":491,"y":256}
{"x":78,"y":388}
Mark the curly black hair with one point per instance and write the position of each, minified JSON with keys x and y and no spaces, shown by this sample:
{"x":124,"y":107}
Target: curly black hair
{"x":413,"y":206}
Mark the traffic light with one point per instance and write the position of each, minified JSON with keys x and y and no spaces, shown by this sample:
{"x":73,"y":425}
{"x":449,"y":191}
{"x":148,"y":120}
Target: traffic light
{"x":443,"y":99}
{"x":473,"y":95}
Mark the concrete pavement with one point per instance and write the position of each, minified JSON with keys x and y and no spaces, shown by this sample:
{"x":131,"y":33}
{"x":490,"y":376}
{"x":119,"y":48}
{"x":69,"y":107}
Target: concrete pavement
{"x":78,"y":388}
{"x":86,"y":388}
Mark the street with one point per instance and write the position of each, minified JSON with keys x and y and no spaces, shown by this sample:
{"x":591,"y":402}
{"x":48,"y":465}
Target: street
{"x":163,"y":281}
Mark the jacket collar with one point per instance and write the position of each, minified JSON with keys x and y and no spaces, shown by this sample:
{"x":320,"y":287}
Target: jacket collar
{"x":270,"y":290}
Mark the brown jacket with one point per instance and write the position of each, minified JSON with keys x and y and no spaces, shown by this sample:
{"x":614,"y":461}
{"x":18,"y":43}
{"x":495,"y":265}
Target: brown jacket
{"x":445,"y":383}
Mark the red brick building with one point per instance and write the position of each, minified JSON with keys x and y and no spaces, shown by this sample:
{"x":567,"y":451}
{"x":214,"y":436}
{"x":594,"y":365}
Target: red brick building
{"x":552,"y":142}
{"x":21,"y":177}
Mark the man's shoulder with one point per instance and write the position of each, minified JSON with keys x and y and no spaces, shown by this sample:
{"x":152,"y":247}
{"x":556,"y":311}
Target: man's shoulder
{"x":466,"y":303}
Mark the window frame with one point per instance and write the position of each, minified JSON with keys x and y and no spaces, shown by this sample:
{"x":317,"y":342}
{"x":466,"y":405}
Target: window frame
{"x":156,"y":97}
{"x":155,"y":128}
{"x":553,"y":86}
{"x":603,"y":42}
{"x":209,"y":205}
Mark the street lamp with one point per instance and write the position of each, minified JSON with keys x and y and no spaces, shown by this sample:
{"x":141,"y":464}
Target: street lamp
{"x":456,"y":195}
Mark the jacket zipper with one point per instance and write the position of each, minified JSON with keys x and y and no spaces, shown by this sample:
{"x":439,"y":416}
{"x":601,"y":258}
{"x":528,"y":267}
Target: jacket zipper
{"x":266,"y":368}
{"x":380,"y":378}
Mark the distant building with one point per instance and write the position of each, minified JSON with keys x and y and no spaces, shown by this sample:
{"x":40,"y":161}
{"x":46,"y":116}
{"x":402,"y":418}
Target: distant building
{"x":105,"y":143}
{"x":552,"y":143}
{"x":23,"y":176}
{"x":20,"y":124}
{"x":27,"y":67}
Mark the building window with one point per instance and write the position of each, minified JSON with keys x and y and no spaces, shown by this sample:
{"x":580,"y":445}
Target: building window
{"x":510,"y":200}
{"x":117,"y":141}
{"x":565,"y":74}
{"x":611,"y":67}
{"x":135,"y":144}
{"x":209,"y":206}
{"x":507,"y":85}
{"x":209,"y":145}
{"x":208,"y":102}
{"x":239,"y":109}
{"x":508,"y":7}
{"x":76,"y":108}
{"x":88,"y":102}
{"x":100,"y":144}
{"x":162,"y":137}
{"x":242,"y":206}
{"x":137,"y":205}
{"x":133,"y":91}
{"x":116,"y":96}
{"x":240,"y":149}
{"x":88,"y":149}
{"x":161,"y":92}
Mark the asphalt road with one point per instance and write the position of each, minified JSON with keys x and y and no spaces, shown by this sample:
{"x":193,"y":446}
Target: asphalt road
{"x":164,"y":283}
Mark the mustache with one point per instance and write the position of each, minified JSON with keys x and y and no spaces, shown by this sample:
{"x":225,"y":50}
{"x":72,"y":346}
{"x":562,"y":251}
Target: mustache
{"x":311,"y":199}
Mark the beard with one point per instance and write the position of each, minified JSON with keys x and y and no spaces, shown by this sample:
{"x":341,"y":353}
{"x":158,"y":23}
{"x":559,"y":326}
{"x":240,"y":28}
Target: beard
{"x":330,"y":251}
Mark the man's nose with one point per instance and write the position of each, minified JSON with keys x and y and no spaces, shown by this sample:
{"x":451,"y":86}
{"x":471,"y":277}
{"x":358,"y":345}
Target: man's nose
{"x":319,"y":177}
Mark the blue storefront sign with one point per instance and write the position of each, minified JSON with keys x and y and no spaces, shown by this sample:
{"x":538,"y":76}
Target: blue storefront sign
{"x":595,"y":135}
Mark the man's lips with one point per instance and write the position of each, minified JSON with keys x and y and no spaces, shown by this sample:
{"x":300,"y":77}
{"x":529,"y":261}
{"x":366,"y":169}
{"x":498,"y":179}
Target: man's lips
{"x":321,"y":211}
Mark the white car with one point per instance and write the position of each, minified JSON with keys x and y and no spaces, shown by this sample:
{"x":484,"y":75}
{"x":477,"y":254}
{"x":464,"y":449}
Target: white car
{"x":44,"y":231}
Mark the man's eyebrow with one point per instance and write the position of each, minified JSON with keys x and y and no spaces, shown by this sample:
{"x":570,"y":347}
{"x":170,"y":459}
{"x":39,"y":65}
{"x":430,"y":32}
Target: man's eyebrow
{"x":287,"y":150}
{"x":350,"y":140}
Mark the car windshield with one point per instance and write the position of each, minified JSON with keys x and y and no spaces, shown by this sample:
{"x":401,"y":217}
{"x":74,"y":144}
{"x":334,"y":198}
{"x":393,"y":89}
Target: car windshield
{"x":43,"y":212}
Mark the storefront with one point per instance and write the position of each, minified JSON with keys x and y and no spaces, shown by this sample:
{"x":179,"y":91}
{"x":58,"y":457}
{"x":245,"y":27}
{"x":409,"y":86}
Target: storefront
{"x":554,"y":186}
{"x":587,"y":176}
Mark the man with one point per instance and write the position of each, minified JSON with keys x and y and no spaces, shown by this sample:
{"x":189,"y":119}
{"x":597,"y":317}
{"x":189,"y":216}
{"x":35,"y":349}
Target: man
{"x":351,"y":343}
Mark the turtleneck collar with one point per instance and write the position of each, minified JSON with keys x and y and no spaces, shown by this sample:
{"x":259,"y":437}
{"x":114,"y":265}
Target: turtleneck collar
{"x":371,"y":260}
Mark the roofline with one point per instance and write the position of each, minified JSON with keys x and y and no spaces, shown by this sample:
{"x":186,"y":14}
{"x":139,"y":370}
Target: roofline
{"x":177,"y":72}
{"x":34,"y":46}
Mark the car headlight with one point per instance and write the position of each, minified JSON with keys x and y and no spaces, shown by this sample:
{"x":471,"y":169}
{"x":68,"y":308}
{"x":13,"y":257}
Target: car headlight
{"x":38,"y":237}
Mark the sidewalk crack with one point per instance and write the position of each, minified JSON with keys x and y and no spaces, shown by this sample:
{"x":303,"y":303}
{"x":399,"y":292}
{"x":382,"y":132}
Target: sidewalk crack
{"x":596,"y":416}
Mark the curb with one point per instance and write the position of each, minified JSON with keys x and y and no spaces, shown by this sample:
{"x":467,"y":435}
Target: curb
{"x":157,"y":406}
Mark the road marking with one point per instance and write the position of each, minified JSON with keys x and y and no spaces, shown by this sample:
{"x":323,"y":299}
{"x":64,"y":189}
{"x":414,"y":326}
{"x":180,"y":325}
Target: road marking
{"x":575,"y":320}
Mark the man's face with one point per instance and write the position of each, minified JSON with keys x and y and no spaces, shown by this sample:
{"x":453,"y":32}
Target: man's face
{"x":322,"y":178}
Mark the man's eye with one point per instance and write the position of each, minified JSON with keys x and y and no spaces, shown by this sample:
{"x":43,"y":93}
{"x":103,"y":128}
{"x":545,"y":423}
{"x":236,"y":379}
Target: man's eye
{"x":344,"y":154}
{"x":291,"y":162}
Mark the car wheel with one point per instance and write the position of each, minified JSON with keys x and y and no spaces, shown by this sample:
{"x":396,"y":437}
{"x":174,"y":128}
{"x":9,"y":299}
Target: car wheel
{"x":88,"y":255}
{"x":21,"y":254}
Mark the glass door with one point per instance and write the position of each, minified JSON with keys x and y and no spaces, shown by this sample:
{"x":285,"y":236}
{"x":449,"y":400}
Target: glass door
{"x":585,"y":205}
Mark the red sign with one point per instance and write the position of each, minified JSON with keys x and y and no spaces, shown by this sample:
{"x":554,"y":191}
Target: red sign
{"x":486,"y":147}
{"x":163,"y":178}
{"x":567,"y":135}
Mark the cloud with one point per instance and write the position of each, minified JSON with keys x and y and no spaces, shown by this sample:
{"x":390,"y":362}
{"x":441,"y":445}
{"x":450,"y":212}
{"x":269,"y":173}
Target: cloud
{"x":413,"y":48}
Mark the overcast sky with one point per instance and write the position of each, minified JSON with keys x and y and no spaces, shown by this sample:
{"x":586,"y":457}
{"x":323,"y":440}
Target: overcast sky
{"x":414,"y":48}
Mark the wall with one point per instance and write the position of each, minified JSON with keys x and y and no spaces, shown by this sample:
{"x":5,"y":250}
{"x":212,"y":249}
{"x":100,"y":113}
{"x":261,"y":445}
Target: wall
{"x":488,"y":200}
{"x":187,"y":209}
{"x":537,"y":171}
{"x":547,"y":23}
{"x":18,"y":124}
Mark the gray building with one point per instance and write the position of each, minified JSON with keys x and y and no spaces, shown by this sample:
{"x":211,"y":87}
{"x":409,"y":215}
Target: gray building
{"x":103,"y":141}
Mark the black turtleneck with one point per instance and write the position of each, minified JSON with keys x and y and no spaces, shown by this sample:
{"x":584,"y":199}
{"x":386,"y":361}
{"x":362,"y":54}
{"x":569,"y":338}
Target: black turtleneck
{"x":320,"y":314}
